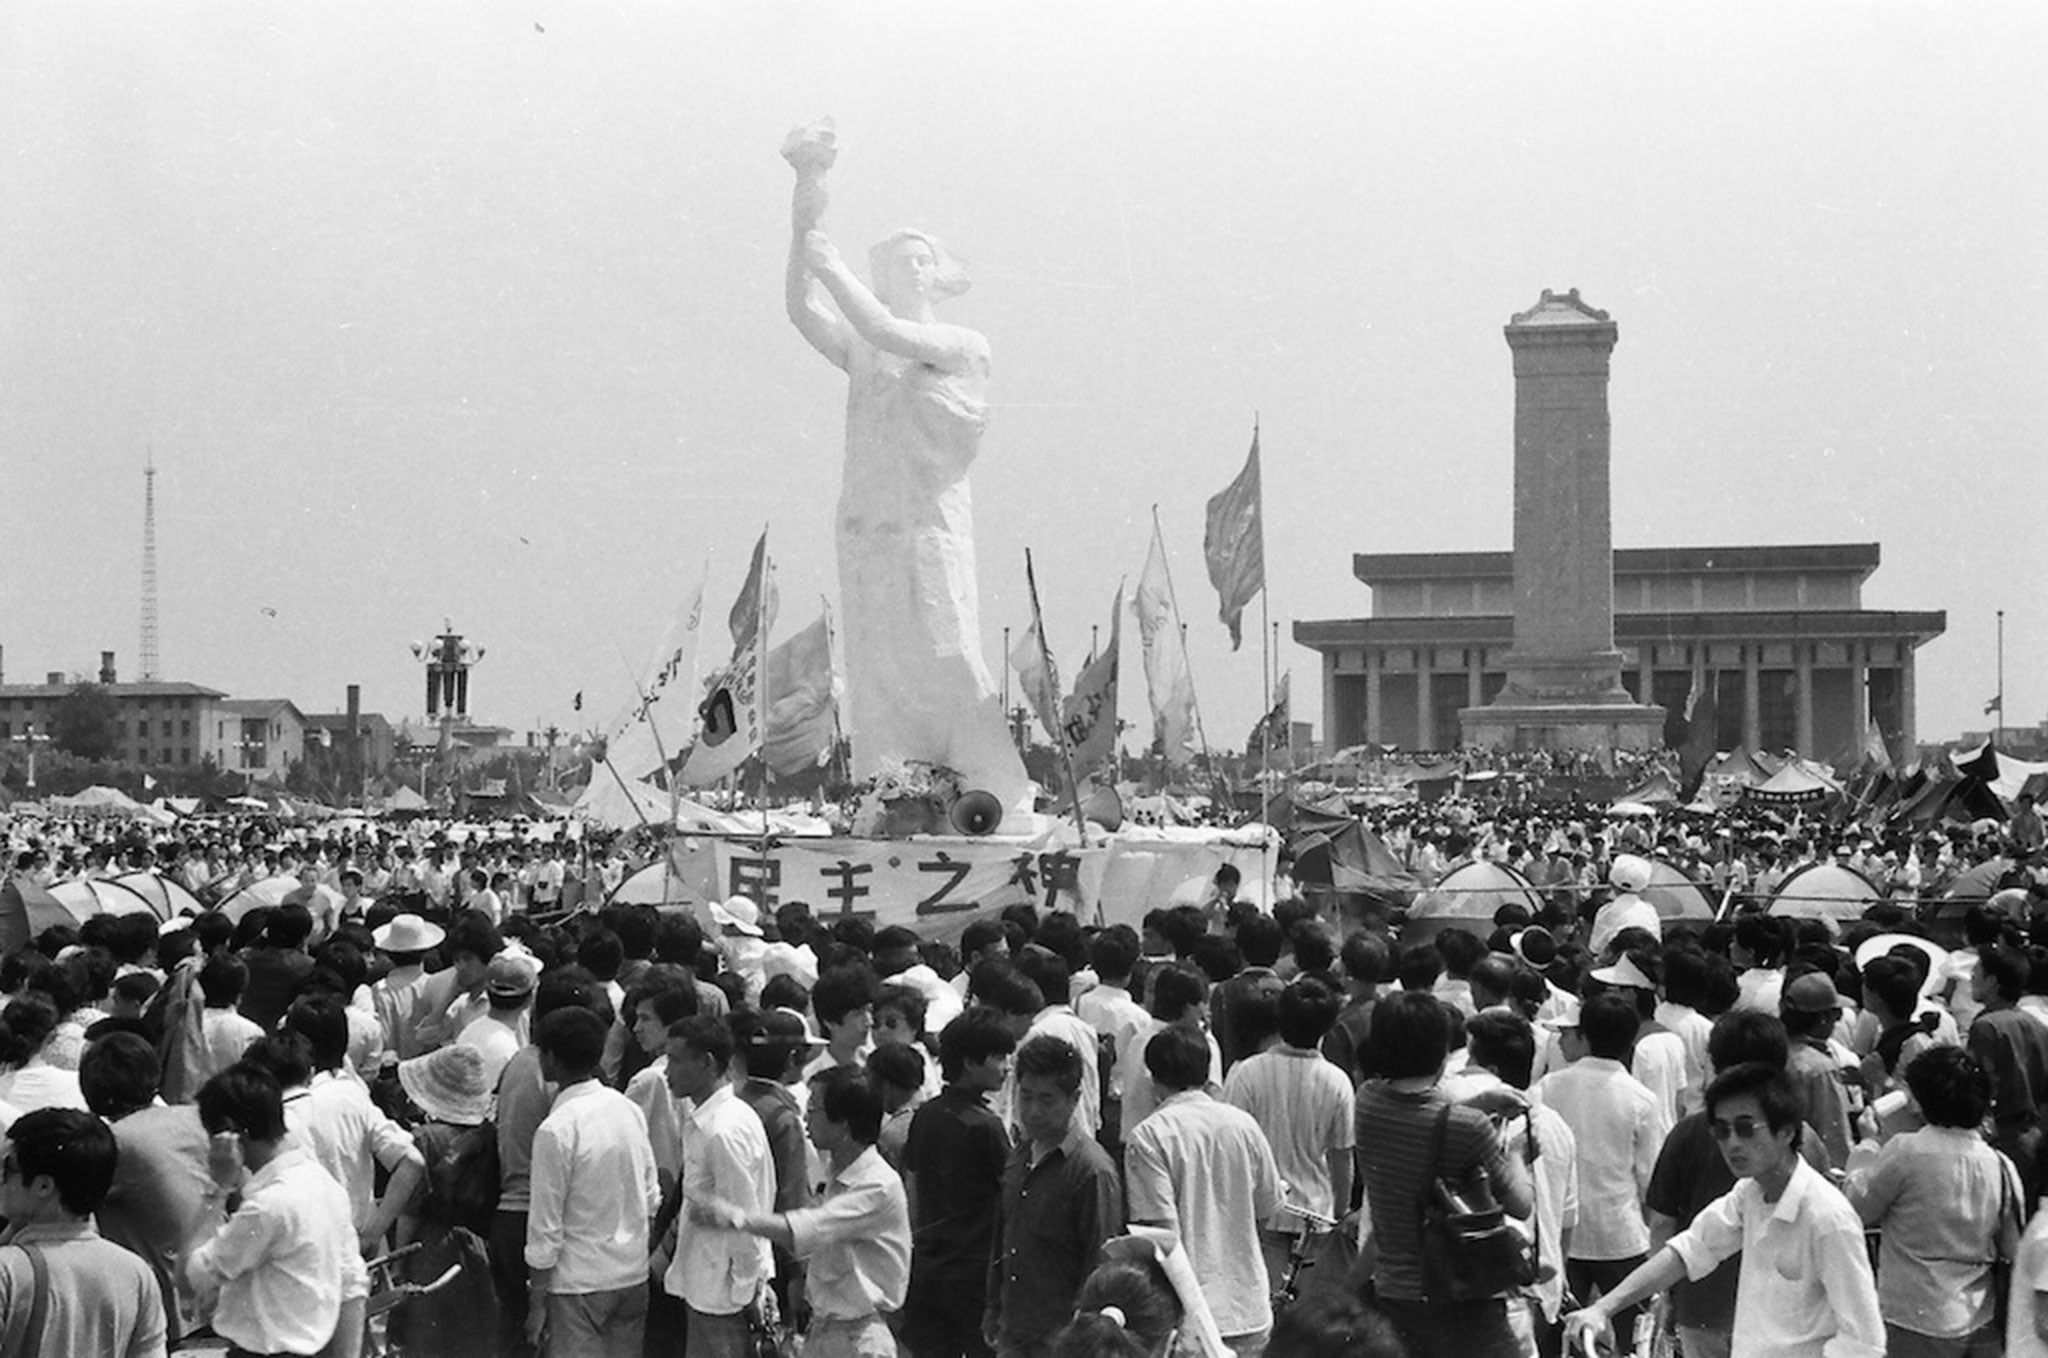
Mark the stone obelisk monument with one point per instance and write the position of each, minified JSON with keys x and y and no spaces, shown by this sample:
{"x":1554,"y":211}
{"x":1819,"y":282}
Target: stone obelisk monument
{"x":1563,"y":687}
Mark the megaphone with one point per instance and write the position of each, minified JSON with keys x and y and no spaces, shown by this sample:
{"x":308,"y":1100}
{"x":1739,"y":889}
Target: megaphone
{"x":975,"y":813}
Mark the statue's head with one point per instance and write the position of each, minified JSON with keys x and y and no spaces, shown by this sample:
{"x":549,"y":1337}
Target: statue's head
{"x":909,"y":264}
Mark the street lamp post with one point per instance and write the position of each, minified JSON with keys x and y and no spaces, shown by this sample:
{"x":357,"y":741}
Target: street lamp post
{"x":448,"y":660}
{"x":32,"y":738}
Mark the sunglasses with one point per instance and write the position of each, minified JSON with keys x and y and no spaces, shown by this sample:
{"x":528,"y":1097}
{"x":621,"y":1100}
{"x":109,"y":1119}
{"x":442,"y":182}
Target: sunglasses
{"x":1742,"y":1128}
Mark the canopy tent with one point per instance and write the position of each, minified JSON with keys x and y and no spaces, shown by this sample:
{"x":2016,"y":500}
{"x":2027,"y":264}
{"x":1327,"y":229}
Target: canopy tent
{"x":1676,"y":896}
{"x":1656,"y":790}
{"x":1945,"y":797}
{"x":1333,"y":849}
{"x":1794,"y":784}
{"x":100,"y":800}
{"x":403,"y":801}
{"x":1826,"y":891}
{"x":165,"y":896}
{"x":1997,"y":770}
{"x":1467,"y":898}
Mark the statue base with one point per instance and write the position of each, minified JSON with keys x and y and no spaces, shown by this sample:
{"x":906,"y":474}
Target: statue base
{"x":1586,"y":726}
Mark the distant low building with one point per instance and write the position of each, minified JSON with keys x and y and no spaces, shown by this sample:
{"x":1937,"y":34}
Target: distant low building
{"x":260,"y":737}
{"x":378,"y":736}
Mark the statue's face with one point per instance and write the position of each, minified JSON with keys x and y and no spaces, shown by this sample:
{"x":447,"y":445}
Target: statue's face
{"x":912,"y":268}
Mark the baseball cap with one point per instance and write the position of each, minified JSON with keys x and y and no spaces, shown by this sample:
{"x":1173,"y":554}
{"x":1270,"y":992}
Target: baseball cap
{"x":1813,"y":993}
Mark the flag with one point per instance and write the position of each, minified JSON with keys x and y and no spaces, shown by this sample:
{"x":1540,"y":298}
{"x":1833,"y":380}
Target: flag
{"x":757,"y":602}
{"x":1702,"y":734}
{"x":1234,"y":544}
{"x":1089,"y":713}
{"x":1272,"y":729}
{"x":637,"y":741}
{"x":1037,"y":677}
{"x":733,"y":715}
{"x":1168,"y":684}
{"x":148,"y":783}
{"x":802,"y":717}
{"x":1875,"y":755}
{"x":1996,"y":704}
{"x":576,"y":703}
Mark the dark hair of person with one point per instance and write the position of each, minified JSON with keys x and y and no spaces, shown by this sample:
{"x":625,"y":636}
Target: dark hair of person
{"x":1315,"y":950}
{"x":1459,"y":949}
{"x":1176,"y":988}
{"x":473,"y":935}
{"x":118,"y":1075}
{"x":324,"y":1022}
{"x":1493,"y":974}
{"x":670,"y":1002}
{"x":573,"y":1039}
{"x":1748,"y":1037}
{"x":2008,"y":967}
{"x":1502,"y":1043}
{"x":1308,"y":1010}
{"x":983,"y":933}
{"x":246,"y":1099}
{"x":1330,"y":1324}
{"x":635,"y":926}
{"x":1767,"y":1084}
{"x":706,"y":1035}
{"x":75,"y":1149}
{"x":137,"y":987}
{"x":898,"y":1065}
{"x":1894,"y":983}
{"x":1952,"y":1089}
{"x":25,"y":1025}
{"x":1260,"y":940}
{"x":601,"y":954}
{"x":1761,"y":936}
{"x":1409,"y":1037}
{"x":1114,"y":952}
{"x":765,"y":1060}
{"x":1177,"y":1057}
{"x":908,"y":1001}
{"x":1142,"y":1296}
{"x":678,"y":940}
{"x":977,"y":1034}
{"x":24,"y":969}
{"x":570,"y":987}
{"x":1685,"y":977}
{"x":847,"y":1098}
{"x":1047,"y":970}
{"x":1982,"y":925}
{"x":1216,"y":957}
{"x":841,"y":990}
{"x":345,"y":960}
{"x":1366,"y":958}
{"x":1183,"y":927}
{"x":784,"y":991}
{"x":1420,"y":966}
{"x":213,"y":930}
{"x":286,"y":1054}
{"x":1049,"y":1057}
{"x":994,"y":981}
{"x":1609,"y":1022}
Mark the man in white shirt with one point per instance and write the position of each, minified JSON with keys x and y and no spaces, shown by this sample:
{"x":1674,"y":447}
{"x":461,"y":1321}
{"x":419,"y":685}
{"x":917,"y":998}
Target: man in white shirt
{"x":1108,"y":1007}
{"x":406,"y":940}
{"x":593,"y":1193}
{"x":1629,"y":876}
{"x":718,"y":1274}
{"x":287,"y":1259}
{"x":1806,"y":1286}
{"x":1619,"y":1128}
{"x":501,"y":1031}
{"x":1049,"y":972}
{"x":1204,"y":1170}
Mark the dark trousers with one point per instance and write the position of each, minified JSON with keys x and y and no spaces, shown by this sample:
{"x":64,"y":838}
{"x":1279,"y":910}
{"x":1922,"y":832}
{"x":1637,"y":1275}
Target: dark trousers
{"x":941,"y":1317}
{"x":1591,"y":1278}
{"x":1465,"y":1329}
{"x":507,"y":1247}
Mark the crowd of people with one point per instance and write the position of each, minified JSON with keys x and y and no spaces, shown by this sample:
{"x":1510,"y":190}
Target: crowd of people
{"x":443,"y":1099}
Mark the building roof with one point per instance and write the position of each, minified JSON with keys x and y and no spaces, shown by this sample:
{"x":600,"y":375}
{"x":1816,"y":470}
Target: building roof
{"x":338,"y":721}
{"x":148,"y":688}
{"x":262,"y":707}
{"x":1861,"y":558}
{"x":1632,"y":629}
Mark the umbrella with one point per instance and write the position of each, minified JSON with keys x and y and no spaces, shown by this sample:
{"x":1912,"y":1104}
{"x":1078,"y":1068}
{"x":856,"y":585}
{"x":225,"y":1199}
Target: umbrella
{"x":166,"y":897}
{"x":1826,"y":891}
{"x":85,"y":897}
{"x":273,"y":891}
{"x":1632,"y":810}
{"x":26,"y":909}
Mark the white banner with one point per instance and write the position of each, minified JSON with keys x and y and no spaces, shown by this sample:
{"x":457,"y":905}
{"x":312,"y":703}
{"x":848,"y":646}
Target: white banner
{"x":938,"y":885}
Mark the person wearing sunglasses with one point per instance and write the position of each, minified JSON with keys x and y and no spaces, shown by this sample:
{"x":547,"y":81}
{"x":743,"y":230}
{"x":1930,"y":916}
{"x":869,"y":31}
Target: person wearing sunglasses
{"x":1805,"y":1285}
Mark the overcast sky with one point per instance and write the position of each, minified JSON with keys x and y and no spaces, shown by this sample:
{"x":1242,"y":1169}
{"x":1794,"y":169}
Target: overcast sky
{"x":474,"y":312}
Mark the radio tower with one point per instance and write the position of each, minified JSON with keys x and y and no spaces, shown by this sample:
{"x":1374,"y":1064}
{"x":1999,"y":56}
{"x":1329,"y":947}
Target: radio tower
{"x":149,"y":657}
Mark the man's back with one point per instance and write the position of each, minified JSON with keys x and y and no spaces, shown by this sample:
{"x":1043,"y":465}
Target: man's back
{"x":1619,"y":1129}
{"x":162,"y":1198}
{"x":101,"y":1299}
{"x":1306,"y":1109}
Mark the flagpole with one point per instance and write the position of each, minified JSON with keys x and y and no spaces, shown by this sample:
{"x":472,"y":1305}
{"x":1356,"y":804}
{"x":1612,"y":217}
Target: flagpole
{"x":1266,"y":640}
{"x":1059,"y":727}
{"x":761,"y":683}
{"x":1998,"y":730}
{"x":1186,"y":661}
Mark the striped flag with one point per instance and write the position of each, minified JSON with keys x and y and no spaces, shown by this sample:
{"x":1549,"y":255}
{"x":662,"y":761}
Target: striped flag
{"x":1235,"y":544}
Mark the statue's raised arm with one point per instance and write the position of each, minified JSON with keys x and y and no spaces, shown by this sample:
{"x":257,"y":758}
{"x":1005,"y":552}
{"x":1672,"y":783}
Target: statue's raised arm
{"x":810,"y":152}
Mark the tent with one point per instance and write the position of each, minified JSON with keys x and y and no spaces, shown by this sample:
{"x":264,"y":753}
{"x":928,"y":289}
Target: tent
{"x":99,"y":800}
{"x":1657,"y":790}
{"x":1334,"y":850}
{"x":1826,"y":891}
{"x":274,"y":891}
{"x":1675,"y":895}
{"x":1795,"y":784}
{"x":1467,"y":898}
{"x":2003,"y":774}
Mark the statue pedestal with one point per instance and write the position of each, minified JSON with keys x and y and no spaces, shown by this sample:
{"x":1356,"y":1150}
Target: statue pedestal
{"x":1510,"y":725}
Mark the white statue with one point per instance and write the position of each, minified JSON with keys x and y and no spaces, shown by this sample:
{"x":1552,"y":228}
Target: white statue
{"x":917,"y":687}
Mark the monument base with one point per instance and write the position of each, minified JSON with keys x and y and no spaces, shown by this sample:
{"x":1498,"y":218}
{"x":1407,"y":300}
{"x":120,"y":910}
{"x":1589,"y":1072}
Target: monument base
{"x":1563,"y":726}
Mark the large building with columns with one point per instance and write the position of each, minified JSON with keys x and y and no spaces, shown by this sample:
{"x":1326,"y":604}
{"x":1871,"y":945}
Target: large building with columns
{"x":1776,"y":639}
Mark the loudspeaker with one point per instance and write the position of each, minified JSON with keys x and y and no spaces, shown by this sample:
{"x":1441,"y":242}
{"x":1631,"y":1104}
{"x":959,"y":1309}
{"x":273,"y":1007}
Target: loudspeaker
{"x":975,"y":813}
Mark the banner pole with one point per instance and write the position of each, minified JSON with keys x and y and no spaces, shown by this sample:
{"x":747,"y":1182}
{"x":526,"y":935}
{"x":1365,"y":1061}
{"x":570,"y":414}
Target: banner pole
{"x":1059,"y":727}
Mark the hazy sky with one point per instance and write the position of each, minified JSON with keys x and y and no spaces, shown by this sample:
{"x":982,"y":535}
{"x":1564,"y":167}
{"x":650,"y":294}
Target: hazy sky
{"x":474,"y":312}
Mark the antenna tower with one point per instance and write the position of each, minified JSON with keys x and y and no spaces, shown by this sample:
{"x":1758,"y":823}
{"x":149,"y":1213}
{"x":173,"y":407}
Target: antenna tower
{"x":149,"y":653}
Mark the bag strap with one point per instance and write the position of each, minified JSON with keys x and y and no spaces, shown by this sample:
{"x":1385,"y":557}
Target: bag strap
{"x":24,"y":1331}
{"x":1436,"y":1142}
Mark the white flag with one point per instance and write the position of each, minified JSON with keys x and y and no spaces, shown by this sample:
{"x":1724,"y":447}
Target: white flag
{"x":1167,"y":681}
{"x":1038,"y":678}
{"x":1090,"y":711}
{"x":733,"y":717}
{"x":636,"y":740}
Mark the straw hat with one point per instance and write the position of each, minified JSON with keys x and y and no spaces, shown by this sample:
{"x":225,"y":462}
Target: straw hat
{"x":448,"y":1084}
{"x":738,"y":914}
{"x":408,"y":933}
